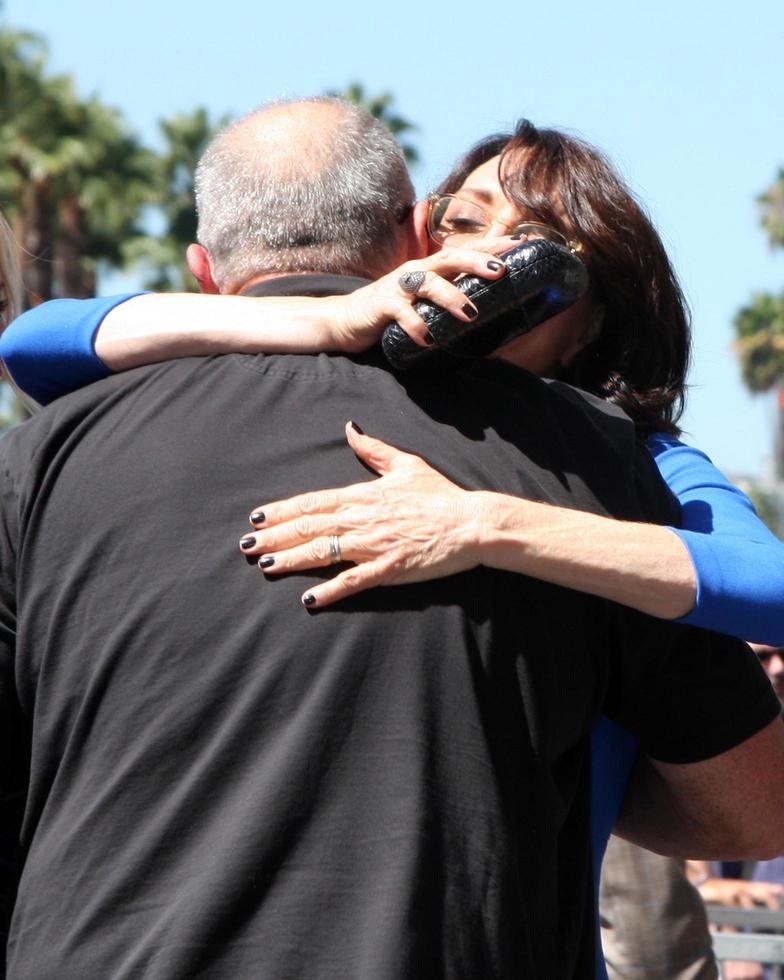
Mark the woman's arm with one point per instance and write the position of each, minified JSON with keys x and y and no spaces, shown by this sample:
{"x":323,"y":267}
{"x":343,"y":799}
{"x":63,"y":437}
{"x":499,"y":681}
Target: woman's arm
{"x":49,"y":350}
{"x":739,"y":562}
{"x":724,"y":570}
{"x":62,"y":345}
{"x":414,"y":524}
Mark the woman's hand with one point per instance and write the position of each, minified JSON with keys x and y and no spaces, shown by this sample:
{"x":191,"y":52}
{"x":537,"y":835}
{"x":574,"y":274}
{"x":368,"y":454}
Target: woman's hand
{"x":159,"y":326}
{"x":414,"y":524}
{"x":410,"y":525}
{"x":358,"y":319}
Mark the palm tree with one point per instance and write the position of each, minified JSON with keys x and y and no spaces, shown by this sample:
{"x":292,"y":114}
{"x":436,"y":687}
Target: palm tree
{"x":759,"y":326}
{"x":186,"y":136}
{"x":380,"y":106}
{"x":72,"y":177}
{"x":25,"y":167}
{"x":772,"y":203}
{"x":100,"y":195}
{"x":760,"y":341}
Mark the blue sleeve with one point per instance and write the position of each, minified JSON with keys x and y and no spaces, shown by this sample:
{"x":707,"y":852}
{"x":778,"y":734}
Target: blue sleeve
{"x":50,"y":350}
{"x":738,"y":561}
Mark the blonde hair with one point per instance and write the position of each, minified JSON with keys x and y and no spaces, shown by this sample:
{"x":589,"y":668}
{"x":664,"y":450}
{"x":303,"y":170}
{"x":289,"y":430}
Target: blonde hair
{"x":11,"y":287}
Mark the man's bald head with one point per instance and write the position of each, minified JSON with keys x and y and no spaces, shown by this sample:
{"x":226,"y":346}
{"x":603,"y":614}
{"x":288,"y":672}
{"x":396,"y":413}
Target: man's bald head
{"x":316,"y":185}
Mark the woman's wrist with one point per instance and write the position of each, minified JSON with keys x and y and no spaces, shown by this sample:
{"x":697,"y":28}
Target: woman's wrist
{"x":500,"y":526}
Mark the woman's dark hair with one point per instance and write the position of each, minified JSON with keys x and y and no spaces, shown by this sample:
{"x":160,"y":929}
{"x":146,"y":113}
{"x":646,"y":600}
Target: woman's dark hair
{"x":639,"y":358}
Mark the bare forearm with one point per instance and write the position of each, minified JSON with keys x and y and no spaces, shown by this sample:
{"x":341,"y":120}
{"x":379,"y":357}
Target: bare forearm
{"x":655,"y":818}
{"x":639,"y":565}
{"x":158,"y":327}
{"x":414,"y":524}
{"x":725,"y":807}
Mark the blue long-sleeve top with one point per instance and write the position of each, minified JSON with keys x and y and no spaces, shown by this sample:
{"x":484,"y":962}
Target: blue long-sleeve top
{"x":739,"y":563}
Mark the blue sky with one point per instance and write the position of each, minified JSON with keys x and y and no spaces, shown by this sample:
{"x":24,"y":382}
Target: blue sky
{"x":686,"y":97}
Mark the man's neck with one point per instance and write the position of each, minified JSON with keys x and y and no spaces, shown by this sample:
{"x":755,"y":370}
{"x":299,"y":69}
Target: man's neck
{"x":301,"y":284}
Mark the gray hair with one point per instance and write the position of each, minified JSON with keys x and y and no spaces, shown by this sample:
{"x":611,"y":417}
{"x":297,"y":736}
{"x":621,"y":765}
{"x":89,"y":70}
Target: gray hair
{"x":313,"y":185}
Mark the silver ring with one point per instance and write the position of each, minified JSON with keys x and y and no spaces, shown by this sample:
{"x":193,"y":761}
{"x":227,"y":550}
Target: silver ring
{"x":411,"y":281}
{"x":334,"y":549}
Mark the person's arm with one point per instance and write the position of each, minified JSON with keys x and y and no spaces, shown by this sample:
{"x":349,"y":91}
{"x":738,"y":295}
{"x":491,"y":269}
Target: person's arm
{"x":62,"y":345}
{"x":414,"y":524}
{"x":725,"y":807}
{"x":738,"y":561}
{"x":709,"y":782}
{"x":733,"y":891}
{"x":50,"y":350}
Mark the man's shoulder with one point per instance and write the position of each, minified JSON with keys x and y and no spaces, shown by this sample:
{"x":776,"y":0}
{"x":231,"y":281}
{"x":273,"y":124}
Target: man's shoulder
{"x":588,"y":402}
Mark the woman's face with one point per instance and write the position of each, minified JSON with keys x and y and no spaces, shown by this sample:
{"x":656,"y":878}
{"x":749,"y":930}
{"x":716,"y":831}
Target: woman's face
{"x":555,"y":342}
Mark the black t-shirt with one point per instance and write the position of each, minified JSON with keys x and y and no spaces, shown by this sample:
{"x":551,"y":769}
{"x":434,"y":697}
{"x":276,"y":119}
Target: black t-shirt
{"x":208,"y":781}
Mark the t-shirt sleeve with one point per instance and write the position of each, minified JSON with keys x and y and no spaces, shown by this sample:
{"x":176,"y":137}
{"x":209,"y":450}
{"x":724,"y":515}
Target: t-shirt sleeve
{"x":739,"y":562}
{"x":687,"y":694}
{"x":50,"y":350}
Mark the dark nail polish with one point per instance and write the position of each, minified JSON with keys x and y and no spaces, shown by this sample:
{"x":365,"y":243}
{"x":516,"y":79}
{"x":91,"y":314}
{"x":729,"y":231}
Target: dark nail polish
{"x":257,"y":517}
{"x":308,"y":599}
{"x":429,"y":339}
{"x":266,"y":562}
{"x":356,"y":428}
{"x":494,"y":266}
{"x":470,"y":311}
{"x":251,"y":560}
{"x":247,"y":543}
{"x":516,"y":238}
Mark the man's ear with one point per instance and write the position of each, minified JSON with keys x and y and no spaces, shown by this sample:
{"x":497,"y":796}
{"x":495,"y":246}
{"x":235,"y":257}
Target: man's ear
{"x":418,"y":240}
{"x":199,"y":263}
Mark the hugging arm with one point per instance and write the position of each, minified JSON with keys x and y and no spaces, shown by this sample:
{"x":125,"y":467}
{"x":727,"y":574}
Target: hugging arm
{"x":723,"y":570}
{"x":414,"y":524}
{"x":739,"y":562}
{"x":709,"y":780}
{"x":63,"y":345}
{"x":724,"y":807}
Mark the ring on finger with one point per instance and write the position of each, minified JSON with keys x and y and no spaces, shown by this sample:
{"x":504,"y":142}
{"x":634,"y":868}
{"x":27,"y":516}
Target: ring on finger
{"x":411,"y":281}
{"x":334,"y":549}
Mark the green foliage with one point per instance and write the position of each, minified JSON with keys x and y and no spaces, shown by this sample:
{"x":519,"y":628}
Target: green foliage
{"x":380,"y":106}
{"x":772,"y":204}
{"x":73,"y":178}
{"x":759,"y":326}
{"x":186,"y":136}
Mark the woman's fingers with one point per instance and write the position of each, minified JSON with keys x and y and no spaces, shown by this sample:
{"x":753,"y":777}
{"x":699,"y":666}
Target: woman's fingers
{"x":378,"y":455}
{"x":349,"y":582}
{"x":327,"y":549}
{"x":304,"y":505}
{"x":409,"y":525}
{"x":301,"y":530}
{"x":436,"y":286}
{"x":360,"y":317}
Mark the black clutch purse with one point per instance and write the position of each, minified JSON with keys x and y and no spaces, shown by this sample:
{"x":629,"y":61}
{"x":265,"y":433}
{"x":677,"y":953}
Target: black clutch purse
{"x":542,"y":278}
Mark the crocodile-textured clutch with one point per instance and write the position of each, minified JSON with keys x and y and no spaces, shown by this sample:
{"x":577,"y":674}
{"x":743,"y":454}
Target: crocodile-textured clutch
{"x":542,"y":278}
